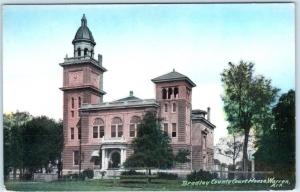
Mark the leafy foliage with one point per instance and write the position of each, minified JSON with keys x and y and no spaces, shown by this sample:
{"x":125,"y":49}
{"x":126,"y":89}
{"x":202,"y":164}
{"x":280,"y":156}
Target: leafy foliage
{"x":182,"y":156}
{"x":132,"y":172}
{"x":276,"y":147}
{"x":151,"y":146}
{"x":247,"y":100}
{"x":169,"y":176}
{"x":89,"y":173}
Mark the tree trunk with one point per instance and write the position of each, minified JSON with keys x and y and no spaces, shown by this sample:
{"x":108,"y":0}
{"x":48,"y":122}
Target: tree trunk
{"x":245,"y":154}
{"x":149,"y":175}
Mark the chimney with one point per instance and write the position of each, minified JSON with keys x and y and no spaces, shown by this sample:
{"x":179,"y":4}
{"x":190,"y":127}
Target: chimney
{"x":100,"y":59}
{"x":131,"y":93}
{"x":208,"y":113}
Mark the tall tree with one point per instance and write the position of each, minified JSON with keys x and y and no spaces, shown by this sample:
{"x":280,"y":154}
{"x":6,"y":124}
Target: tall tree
{"x":246,"y":97}
{"x":151,"y":147}
{"x":276,"y":148}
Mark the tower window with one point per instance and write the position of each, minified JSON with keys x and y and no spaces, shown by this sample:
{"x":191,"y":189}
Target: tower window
{"x":72,"y":103}
{"x":166,"y":127}
{"x":174,"y":133}
{"x":85,"y":51}
{"x":79,"y":133}
{"x":174,"y":107}
{"x":164,"y":93}
{"x":79,"y":52}
{"x":170,"y":91}
{"x":166,"y":107}
{"x":72,"y":133}
{"x":79,"y":101}
{"x":72,"y":113}
{"x":175,"y":92}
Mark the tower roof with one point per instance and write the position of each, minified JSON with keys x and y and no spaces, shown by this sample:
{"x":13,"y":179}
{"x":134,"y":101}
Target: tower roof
{"x":173,"y":76}
{"x":83,"y":33}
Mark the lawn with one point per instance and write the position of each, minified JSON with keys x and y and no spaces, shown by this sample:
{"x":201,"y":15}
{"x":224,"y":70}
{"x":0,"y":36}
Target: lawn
{"x":117,"y":185}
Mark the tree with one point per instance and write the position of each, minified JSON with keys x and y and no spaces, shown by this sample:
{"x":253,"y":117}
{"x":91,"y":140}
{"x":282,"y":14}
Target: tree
{"x":231,"y":148}
{"x":42,"y":143}
{"x":151,"y":146}
{"x":182,"y":156}
{"x":13,"y":143}
{"x":246,"y":99}
{"x":276,"y":148}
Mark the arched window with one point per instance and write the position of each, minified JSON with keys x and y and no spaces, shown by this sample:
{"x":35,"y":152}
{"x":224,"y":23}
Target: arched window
{"x":72,"y":103}
{"x":175,"y":92}
{"x":79,"y":101}
{"x":79,"y":52}
{"x":116,"y":127}
{"x":170,"y":91}
{"x":135,"y":120}
{"x":164,"y":93}
{"x":174,"y":107}
{"x":98,"y":128}
{"x":85,"y":51}
{"x":166,"y":107}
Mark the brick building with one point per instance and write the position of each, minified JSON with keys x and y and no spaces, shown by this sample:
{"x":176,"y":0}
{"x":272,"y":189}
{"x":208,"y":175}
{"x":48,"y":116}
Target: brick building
{"x":91,"y":125}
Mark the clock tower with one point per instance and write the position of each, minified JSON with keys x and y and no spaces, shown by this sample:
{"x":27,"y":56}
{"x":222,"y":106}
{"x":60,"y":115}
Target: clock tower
{"x":82,"y":84}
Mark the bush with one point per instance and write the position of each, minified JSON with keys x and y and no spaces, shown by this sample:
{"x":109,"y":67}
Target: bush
{"x":131,"y":172}
{"x":201,"y":175}
{"x":169,"y":176}
{"x":89,"y":173}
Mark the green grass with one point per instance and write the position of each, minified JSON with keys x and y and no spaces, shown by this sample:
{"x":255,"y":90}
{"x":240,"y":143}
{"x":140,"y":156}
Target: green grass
{"x":119,"y":185}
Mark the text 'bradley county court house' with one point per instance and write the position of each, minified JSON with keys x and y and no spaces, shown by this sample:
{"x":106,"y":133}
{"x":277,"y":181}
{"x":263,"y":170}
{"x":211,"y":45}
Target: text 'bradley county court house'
{"x":92,"y":126}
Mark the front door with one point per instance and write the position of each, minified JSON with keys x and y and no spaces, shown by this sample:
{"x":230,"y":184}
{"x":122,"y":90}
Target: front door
{"x":115,"y":160}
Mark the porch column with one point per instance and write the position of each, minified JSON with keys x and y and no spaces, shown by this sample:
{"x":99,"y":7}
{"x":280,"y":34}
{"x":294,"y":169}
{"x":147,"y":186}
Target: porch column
{"x":103,"y":159}
{"x":123,"y":156}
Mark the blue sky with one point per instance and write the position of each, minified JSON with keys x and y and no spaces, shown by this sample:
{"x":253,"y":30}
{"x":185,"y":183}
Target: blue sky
{"x":141,"y":42}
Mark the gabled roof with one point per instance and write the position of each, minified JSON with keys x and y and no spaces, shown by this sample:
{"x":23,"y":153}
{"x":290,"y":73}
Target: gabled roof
{"x":173,"y":76}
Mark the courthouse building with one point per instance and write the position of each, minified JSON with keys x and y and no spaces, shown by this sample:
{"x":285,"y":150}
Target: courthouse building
{"x":99,"y":134}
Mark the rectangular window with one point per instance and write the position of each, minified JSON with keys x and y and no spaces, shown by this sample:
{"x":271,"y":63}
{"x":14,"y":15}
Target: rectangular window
{"x":72,"y":113}
{"x":166,"y":107}
{"x":79,"y":133}
{"x":95,"y":132}
{"x":174,"y":107}
{"x":166,"y":127}
{"x":173,"y":129}
{"x":76,"y":157}
{"x":204,"y":142}
{"x":113,"y":131}
{"x":132,"y":130}
{"x":101,"y":131}
{"x":120,"y":130}
{"x":72,"y":133}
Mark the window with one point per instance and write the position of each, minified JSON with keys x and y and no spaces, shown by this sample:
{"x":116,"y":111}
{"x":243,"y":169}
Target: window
{"x":166,"y":127}
{"x":135,"y":120}
{"x":98,"y":128}
{"x":174,"y":107}
{"x":164,"y":93}
{"x":72,"y":102}
{"x":95,"y":132}
{"x":170,"y":91}
{"x":166,"y":107}
{"x":79,"y":101}
{"x":101,"y":131}
{"x":79,"y":52}
{"x":76,"y":157}
{"x":72,"y":133}
{"x":204,"y":142}
{"x":173,"y":129}
{"x":85,"y":51}
{"x":116,"y":127}
{"x":175,"y":92}
{"x":113,"y":131}
{"x":79,"y":133}
{"x":72,"y":113}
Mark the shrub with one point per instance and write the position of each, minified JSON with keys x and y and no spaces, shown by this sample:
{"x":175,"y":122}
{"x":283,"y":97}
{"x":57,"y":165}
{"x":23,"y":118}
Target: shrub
{"x":89,"y":173}
{"x":169,"y":176}
{"x":27,"y":176}
{"x":131,"y":172}
{"x":200,"y":175}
